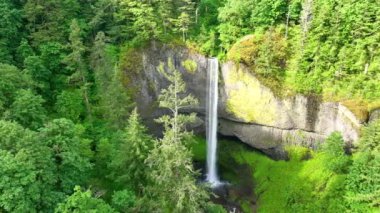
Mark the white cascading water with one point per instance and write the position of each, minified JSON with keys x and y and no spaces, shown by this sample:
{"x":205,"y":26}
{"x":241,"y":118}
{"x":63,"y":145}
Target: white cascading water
{"x":212,"y":121}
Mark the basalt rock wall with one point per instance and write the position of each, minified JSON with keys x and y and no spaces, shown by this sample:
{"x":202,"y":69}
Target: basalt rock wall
{"x":247,"y":109}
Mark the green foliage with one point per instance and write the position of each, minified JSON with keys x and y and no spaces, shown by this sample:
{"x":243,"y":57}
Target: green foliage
{"x":83,"y":201}
{"x":142,"y":18}
{"x":214,"y":208}
{"x":294,"y":186}
{"x":23,"y":51}
{"x":268,"y":12}
{"x":118,"y":101}
{"x":363,"y":182}
{"x":335,"y":157}
{"x":114,"y":101}
{"x":175,"y":188}
{"x":23,"y":194}
{"x":101,"y":63}
{"x":11,"y":80}
{"x":17,"y":168}
{"x":297,"y":153}
{"x":75,"y":63}
{"x":183,"y":21}
{"x":233,"y":16}
{"x":26,"y":170}
{"x":70,"y":153}
{"x":265,"y":54}
{"x":70,"y":105}
{"x":27,"y":109}
{"x":204,"y":33}
{"x":327,"y":48}
{"x":198,"y":148}
{"x":239,"y":18}
{"x":321,"y":181}
{"x":52,"y":55}
{"x":128,"y":160}
{"x":10,"y":24}
{"x":35,"y":68}
{"x":190,"y":65}
{"x":124,"y":200}
{"x":338,"y":52}
{"x":52,"y":66}
{"x":44,"y":27}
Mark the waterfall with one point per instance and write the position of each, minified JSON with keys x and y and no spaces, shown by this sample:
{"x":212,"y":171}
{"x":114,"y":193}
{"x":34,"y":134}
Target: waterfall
{"x":212,"y":121}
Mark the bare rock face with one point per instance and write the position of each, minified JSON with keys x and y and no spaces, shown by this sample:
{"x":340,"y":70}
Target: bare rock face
{"x":375,"y":115}
{"x":247,"y":109}
{"x":148,"y":81}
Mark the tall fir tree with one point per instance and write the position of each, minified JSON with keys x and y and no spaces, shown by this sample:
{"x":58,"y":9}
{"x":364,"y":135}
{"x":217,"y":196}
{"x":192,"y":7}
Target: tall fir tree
{"x":172,"y":175}
{"x":76,"y":63}
{"x":127,"y":165}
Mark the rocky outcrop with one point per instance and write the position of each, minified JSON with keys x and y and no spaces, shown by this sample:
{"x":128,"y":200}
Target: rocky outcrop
{"x":268,"y":122}
{"x":247,"y":109}
{"x":148,"y":82}
{"x":375,"y":115}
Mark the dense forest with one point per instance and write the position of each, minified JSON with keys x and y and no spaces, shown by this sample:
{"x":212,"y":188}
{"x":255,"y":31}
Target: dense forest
{"x":71,"y":137}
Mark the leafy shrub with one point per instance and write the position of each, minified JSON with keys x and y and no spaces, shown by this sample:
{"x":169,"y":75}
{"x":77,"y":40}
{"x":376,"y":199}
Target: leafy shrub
{"x":123,"y":200}
{"x":297,"y":153}
{"x":363,"y":181}
{"x":214,"y":208}
{"x":70,"y":104}
{"x":265,"y":53}
{"x":335,"y":158}
{"x":190,"y":66}
{"x":83,"y":201}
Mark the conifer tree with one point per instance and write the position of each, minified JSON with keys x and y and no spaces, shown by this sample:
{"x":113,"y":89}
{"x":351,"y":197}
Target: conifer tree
{"x":101,"y":63}
{"x":166,"y":11}
{"x":130,"y":154}
{"x":184,"y":19}
{"x":143,"y":19}
{"x":77,"y":65}
{"x":10,"y":24}
{"x":174,"y":186}
{"x":115,"y":104}
{"x":363,"y":180}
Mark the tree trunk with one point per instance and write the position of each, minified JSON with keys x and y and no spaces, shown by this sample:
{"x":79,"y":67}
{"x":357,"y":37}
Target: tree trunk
{"x":366,"y":68}
{"x":196,"y":16}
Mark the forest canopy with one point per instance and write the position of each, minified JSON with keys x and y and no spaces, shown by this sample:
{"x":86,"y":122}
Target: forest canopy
{"x":72,"y":140}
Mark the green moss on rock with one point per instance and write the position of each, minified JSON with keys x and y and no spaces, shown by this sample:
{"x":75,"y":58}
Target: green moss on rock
{"x":190,"y":66}
{"x":248,"y":100}
{"x":358,"y":107}
{"x":131,"y":60}
{"x":266,"y":55}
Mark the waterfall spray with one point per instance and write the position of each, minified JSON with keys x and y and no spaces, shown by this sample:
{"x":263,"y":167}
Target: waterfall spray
{"x":212,"y":121}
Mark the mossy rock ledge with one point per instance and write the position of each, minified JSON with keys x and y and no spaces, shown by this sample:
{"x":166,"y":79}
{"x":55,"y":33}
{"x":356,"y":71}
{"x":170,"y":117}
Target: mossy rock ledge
{"x":247,"y":109}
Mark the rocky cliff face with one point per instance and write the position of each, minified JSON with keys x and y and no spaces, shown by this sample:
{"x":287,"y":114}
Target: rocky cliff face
{"x":255,"y":115}
{"x":247,"y":109}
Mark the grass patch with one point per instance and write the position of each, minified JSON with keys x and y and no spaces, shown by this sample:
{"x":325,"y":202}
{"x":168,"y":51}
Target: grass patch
{"x":199,"y":148}
{"x":296,"y":185}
